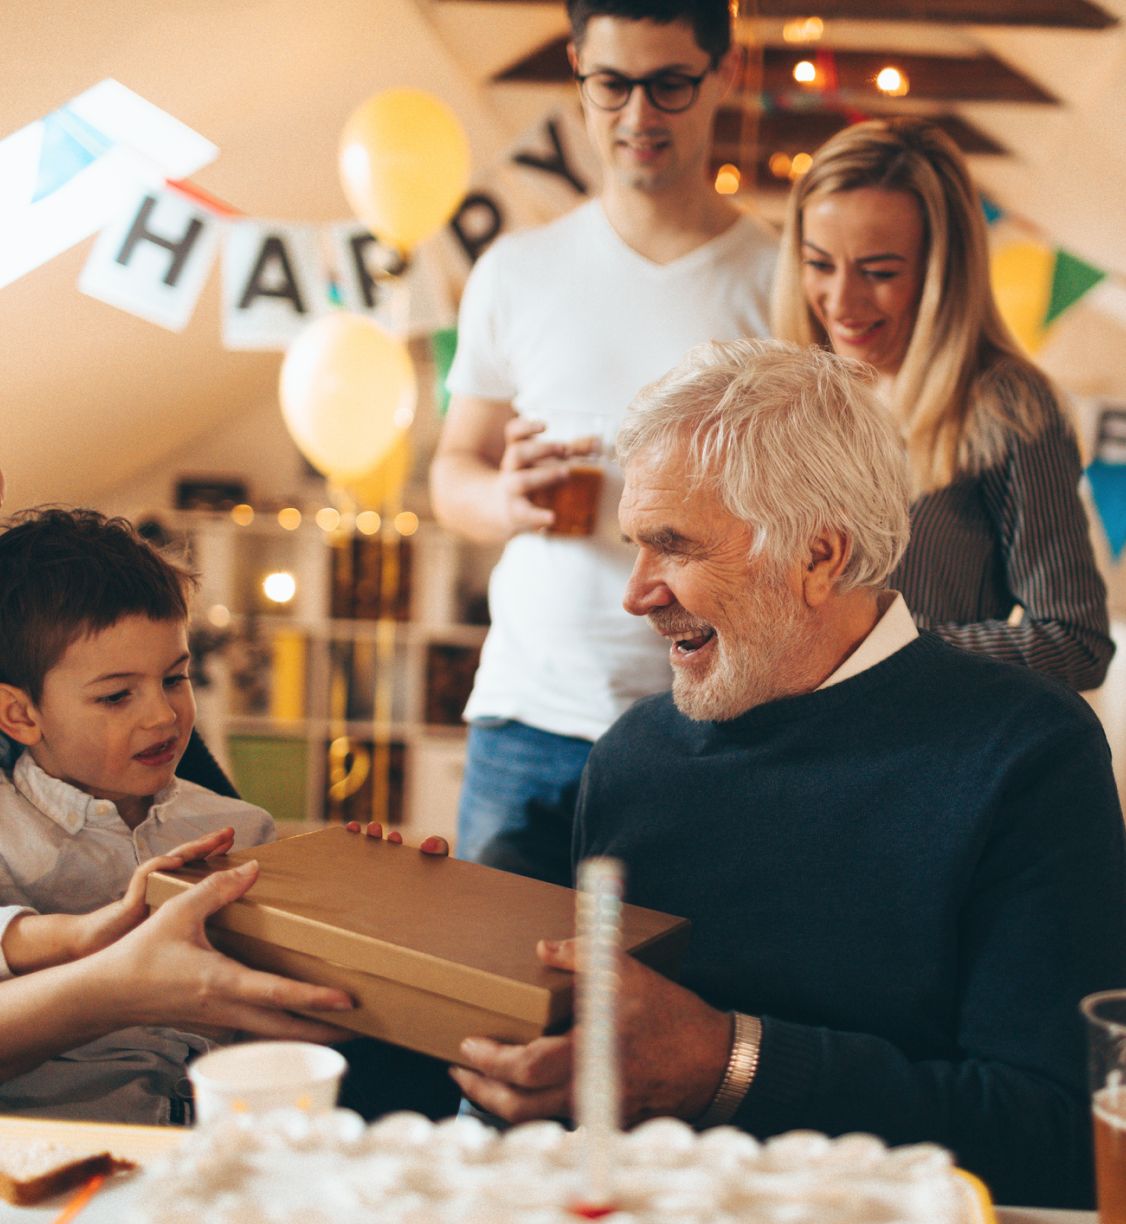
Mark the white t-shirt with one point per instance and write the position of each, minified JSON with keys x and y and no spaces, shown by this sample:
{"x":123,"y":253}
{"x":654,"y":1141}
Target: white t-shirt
{"x":567,"y":318}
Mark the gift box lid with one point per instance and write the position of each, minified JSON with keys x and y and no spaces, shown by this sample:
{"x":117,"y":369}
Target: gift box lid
{"x":448,"y":927}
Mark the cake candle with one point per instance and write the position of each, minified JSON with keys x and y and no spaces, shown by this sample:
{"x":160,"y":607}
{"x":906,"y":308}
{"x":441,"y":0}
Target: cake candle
{"x":597,"y":1088}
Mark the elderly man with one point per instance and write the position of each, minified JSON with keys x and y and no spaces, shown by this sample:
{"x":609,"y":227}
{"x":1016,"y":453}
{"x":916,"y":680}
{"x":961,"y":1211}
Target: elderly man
{"x":903,"y":863}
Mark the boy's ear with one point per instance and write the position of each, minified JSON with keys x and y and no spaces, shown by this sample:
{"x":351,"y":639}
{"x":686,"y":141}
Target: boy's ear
{"x":19,"y":719}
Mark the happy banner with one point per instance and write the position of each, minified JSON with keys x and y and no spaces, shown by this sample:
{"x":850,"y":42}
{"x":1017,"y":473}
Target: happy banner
{"x":154,"y":258}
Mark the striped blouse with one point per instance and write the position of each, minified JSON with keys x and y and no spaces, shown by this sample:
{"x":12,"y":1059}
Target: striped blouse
{"x":1015,"y":534}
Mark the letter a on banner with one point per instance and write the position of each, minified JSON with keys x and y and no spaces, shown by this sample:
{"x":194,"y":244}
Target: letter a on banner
{"x":274,"y":283}
{"x":154,"y":260}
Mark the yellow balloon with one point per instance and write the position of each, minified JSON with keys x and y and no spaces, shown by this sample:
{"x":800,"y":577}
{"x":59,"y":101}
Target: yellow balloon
{"x":383,"y":485}
{"x":348,"y":390}
{"x":1022,"y":284}
{"x":404,"y":165}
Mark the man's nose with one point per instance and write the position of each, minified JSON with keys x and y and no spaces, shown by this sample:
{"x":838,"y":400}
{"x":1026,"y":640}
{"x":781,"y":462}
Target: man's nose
{"x":645,"y":590}
{"x":638,"y":110}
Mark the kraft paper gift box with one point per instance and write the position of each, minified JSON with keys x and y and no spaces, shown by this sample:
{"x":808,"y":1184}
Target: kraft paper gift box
{"x":432,"y":949}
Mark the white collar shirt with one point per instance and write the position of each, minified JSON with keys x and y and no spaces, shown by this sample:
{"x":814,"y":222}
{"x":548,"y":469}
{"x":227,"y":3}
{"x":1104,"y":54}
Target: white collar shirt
{"x":894,"y":630}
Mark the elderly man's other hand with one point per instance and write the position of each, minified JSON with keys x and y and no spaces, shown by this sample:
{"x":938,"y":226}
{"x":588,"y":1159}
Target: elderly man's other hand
{"x":433,"y":844}
{"x":674,"y":1050}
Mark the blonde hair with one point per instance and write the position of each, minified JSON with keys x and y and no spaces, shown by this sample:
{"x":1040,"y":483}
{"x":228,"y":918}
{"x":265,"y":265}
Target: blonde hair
{"x":793,"y":442}
{"x":952,"y":393}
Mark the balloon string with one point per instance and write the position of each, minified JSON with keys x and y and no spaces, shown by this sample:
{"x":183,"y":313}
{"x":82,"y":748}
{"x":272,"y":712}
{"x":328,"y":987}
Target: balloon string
{"x":401,"y":304}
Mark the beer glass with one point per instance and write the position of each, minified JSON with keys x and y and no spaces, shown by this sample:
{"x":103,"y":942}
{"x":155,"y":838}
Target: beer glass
{"x":1106,"y":1045}
{"x":575,"y":499}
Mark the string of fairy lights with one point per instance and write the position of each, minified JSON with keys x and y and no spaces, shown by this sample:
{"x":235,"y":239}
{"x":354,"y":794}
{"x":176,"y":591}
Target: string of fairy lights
{"x":280,"y":586}
{"x":815,"y":78}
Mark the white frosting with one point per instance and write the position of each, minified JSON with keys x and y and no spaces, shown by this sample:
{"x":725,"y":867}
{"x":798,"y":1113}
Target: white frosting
{"x":289,"y":1168}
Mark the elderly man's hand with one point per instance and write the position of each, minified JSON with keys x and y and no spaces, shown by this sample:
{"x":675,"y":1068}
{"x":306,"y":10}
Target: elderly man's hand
{"x":438,"y":846}
{"x":674,"y":1049}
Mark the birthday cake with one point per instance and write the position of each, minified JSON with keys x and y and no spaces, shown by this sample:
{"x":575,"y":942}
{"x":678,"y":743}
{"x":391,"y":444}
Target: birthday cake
{"x":291,"y":1168}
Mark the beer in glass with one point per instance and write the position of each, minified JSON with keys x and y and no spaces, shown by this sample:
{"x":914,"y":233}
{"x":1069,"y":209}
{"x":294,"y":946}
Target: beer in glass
{"x":1106,"y":1044}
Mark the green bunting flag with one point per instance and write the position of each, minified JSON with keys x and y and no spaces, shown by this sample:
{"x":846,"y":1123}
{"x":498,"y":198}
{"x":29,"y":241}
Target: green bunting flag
{"x":1071,"y":279}
{"x":443,"y":344}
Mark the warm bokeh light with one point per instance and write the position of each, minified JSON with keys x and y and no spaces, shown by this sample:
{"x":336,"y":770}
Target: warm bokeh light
{"x":279,"y":587}
{"x":779,"y":165}
{"x":327,"y":519}
{"x":289,"y":518}
{"x":368,"y":522}
{"x":892,"y":82}
{"x":243,"y":514}
{"x":803,"y":30}
{"x":219,"y":615}
{"x":805,"y":72}
{"x":727,"y":179}
{"x":800,"y":164}
{"x":406,"y":522}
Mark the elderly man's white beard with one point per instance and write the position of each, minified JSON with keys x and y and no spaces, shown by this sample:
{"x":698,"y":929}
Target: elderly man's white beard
{"x":760,"y":657}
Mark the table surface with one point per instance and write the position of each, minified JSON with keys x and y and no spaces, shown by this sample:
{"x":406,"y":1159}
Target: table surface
{"x":143,"y":1144}
{"x":1025,"y":1215}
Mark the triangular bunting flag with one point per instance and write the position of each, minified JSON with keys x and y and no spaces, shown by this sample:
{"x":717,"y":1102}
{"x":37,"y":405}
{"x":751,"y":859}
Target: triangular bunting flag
{"x":1071,"y":279}
{"x":443,"y":345}
{"x":993,"y":212}
{"x":70,"y":144}
{"x":1021,"y":273}
{"x":1108,"y":488}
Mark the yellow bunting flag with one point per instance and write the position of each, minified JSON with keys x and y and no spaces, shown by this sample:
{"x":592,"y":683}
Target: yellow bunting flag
{"x":1022,"y":285}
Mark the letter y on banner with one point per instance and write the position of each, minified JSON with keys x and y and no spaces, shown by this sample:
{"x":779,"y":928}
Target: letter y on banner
{"x":154,"y":260}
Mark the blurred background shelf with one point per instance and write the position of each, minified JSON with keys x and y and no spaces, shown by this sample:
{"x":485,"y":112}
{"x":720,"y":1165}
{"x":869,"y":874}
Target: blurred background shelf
{"x":339,"y":696}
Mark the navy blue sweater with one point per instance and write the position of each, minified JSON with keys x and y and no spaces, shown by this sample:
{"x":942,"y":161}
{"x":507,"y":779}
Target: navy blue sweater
{"x":912,"y":877}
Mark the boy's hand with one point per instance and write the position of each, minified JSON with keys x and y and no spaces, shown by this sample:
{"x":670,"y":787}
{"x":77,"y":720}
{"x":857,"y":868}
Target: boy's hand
{"x":37,"y":941}
{"x":104,"y":926}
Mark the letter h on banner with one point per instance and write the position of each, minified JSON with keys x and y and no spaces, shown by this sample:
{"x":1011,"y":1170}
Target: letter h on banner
{"x":154,"y":260}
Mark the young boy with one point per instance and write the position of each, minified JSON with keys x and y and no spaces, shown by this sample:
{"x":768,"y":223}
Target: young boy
{"x":94,"y":685}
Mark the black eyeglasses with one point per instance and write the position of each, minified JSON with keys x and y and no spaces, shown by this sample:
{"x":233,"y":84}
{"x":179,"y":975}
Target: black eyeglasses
{"x":667,"y":91}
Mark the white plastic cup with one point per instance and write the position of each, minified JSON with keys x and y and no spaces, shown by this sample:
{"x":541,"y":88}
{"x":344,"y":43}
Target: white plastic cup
{"x":259,"y":1076}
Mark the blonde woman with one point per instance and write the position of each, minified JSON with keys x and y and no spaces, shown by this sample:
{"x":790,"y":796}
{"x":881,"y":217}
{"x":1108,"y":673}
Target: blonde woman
{"x":884,"y":259}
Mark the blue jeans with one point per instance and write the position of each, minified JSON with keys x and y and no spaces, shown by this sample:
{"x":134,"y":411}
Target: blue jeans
{"x":518,"y":798}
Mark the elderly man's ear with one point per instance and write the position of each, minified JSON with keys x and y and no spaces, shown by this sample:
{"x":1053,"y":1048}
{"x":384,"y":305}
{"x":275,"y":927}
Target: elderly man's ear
{"x":826,"y":559}
{"x":18,"y":718}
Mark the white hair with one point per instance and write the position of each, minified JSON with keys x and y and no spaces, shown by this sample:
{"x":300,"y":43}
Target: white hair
{"x":793,"y":441}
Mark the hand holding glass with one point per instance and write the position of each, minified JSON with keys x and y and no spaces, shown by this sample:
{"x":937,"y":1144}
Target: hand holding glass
{"x":574,"y":499}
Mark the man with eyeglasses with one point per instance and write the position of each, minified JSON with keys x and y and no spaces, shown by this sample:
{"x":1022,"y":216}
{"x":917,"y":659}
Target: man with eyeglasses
{"x":574,"y":318}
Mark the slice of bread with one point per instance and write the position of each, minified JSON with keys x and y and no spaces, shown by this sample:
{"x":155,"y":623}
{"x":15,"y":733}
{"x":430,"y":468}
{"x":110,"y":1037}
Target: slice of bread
{"x":32,"y":1172}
